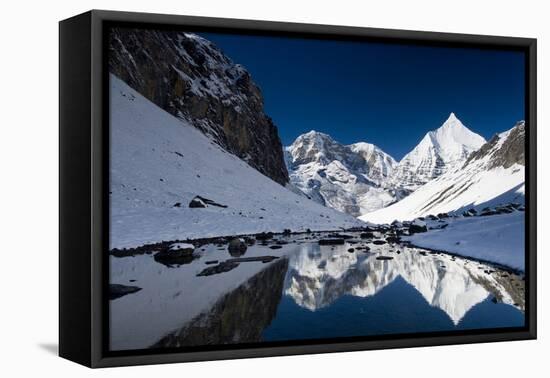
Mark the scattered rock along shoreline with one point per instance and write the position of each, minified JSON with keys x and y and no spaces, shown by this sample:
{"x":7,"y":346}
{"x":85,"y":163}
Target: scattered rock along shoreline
{"x":237,"y":245}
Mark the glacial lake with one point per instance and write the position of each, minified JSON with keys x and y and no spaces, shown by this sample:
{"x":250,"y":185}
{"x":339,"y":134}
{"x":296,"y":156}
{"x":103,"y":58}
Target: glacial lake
{"x":309,"y":291}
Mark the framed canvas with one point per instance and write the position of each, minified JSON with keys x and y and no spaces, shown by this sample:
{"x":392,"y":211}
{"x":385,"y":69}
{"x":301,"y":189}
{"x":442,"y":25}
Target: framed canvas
{"x":234,"y":188}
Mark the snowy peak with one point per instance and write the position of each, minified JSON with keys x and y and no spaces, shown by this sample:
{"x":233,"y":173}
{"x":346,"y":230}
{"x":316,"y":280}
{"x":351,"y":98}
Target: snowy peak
{"x":350,"y":178}
{"x":440,"y":151}
{"x":318,"y":147}
{"x":380,"y":163}
{"x":453,"y":134}
{"x":493,"y":175}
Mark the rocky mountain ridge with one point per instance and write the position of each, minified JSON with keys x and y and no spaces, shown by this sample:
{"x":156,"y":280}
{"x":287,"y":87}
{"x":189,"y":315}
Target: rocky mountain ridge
{"x":494,"y":175}
{"x":361,"y":178}
{"x":350,"y":179}
{"x":190,"y":78}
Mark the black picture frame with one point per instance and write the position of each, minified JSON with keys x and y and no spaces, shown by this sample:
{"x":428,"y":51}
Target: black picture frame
{"x":83,"y":228}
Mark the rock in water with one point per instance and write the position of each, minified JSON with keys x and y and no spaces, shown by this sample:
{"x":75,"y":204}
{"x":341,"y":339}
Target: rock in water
{"x":237,"y":247}
{"x":117,"y":291}
{"x":222,"y":267}
{"x":176,"y":254}
{"x":331,"y":241}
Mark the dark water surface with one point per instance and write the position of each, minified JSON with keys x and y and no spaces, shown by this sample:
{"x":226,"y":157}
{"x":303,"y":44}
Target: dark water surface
{"x":309,"y":292}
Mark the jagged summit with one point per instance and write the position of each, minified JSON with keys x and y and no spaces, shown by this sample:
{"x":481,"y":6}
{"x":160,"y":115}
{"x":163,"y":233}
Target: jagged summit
{"x":453,"y":132}
{"x":452,"y":120}
{"x":493,"y":175}
{"x":440,"y":150}
{"x":313,"y":133}
{"x":349,"y":178}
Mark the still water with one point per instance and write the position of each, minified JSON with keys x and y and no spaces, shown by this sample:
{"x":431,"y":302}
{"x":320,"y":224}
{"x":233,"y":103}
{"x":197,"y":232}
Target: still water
{"x":309,"y":291}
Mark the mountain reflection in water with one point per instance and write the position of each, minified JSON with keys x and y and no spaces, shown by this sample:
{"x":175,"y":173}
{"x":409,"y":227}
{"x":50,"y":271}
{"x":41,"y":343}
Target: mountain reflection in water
{"x":326,"y":291}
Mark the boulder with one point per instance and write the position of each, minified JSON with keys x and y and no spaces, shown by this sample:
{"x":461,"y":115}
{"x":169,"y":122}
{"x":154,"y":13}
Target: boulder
{"x":470,"y":213}
{"x":396,"y":224}
{"x":201,"y":202}
{"x":237,"y":247}
{"x":176,"y":254}
{"x":417,"y":226}
{"x":197,"y":203}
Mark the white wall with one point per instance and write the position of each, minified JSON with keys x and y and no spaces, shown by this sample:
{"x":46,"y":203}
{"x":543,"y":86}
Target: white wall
{"x":28,"y":189}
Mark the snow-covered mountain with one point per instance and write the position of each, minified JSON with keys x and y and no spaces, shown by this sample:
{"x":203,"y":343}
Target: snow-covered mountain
{"x":440,"y":151}
{"x":159,"y":164}
{"x":351,"y":179}
{"x":192,"y":79}
{"x":361,"y":178}
{"x":491,"y":176}
{"x":379,"y":164}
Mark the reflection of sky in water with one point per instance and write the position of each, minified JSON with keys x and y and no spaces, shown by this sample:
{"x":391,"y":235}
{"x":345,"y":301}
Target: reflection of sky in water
{"x":327,"y":292}
{"x":397,"y":308}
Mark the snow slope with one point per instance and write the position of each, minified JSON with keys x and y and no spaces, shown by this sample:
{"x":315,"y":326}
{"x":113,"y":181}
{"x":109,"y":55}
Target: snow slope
{"x":438,"y":152}
{"x":488,"y":178}
{"x":497,"y":238}
{"x":351,"y":179}
{"x":158,"y":161}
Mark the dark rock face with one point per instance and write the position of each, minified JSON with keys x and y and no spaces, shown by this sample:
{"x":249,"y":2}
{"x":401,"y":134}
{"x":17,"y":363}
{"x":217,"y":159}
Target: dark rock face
{"x":189,"y":77}
{"x":511,"y":150}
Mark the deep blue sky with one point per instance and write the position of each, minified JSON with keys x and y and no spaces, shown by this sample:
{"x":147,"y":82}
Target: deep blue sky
{"x":389,"y":95}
